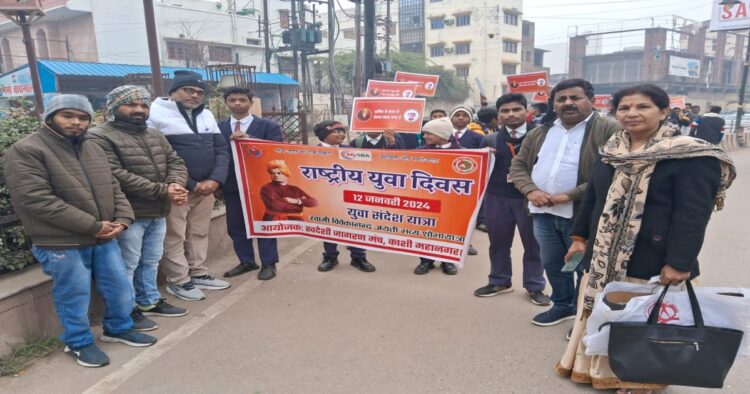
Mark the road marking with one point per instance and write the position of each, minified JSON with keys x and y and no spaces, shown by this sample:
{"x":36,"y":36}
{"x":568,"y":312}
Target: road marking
{"x":114,"y":380}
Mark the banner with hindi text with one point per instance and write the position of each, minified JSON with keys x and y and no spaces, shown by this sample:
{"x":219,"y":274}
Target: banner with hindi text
{"x":416,"y":202}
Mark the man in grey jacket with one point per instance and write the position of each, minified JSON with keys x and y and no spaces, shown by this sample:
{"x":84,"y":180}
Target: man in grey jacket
{"x":152,"y":176}
{"x":72,"y":208}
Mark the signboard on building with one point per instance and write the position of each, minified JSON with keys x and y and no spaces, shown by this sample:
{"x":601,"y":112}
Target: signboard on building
{"x":684,"y":67}
{"x":730,"y":17}
{"x":16,"y":84}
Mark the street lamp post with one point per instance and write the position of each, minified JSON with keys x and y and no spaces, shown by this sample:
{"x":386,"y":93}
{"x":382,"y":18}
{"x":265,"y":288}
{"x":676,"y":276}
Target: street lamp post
{"x":738,"y":129}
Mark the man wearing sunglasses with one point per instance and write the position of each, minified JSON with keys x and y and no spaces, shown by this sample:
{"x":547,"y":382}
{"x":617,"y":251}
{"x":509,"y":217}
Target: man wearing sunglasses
{"x":193,"y":133}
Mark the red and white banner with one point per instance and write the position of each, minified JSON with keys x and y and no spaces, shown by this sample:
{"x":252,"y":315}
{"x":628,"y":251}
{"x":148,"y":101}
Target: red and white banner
{"x":528,"y":83}
{"x":603,"y":101}
{"x":427,"y":83}
{"x":540,"y":97}
{"x":391,"y":89}
{"x":381,"y":113}
{"x":677,"y":101}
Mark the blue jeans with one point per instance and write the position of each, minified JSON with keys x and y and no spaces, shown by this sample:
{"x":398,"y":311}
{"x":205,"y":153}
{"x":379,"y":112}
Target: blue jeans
{"x":71,"y":271}
{"x":552,"y":233}
{"x":142,"y":246}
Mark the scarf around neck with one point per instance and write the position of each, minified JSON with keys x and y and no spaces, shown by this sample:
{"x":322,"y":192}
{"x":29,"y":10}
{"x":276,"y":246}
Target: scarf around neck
{"x":620,"y":221}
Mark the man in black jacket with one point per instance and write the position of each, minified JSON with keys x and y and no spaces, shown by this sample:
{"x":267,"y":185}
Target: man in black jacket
{"x":505,"y":210}
{"x":192,"y":131}
{"x":710,"y":126}
{"x":242,"y":124}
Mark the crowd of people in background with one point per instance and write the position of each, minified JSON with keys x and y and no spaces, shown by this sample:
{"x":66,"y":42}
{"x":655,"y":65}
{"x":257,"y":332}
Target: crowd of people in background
{"x":126,"y":198}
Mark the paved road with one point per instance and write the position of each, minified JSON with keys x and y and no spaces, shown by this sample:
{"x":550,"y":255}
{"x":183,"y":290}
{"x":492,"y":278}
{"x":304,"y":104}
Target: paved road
{"x":349,"y":332}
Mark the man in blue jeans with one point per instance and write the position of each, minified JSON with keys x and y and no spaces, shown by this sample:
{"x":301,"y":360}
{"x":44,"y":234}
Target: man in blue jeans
{"x":72,"y":208}
{"x":551,"y":170}
{"x":152,"y":176}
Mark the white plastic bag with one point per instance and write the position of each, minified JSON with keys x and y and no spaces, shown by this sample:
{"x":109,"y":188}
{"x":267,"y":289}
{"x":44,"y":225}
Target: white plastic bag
{"x":720,"y":306}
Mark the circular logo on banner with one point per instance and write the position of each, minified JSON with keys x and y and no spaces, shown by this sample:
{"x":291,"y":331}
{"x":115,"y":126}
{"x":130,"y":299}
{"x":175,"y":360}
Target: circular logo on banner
{"x":254,"y":151}
{"x":668,"y":313}
{"x":429,"y":85}
{"x":411,"y":115}
{"x":541,"y":82}
{"x":374,"y":92}
{"x":465,"y":165}
{"x":408,"y":93}
{"x":364,"y":114}
{"x":514,"y":84}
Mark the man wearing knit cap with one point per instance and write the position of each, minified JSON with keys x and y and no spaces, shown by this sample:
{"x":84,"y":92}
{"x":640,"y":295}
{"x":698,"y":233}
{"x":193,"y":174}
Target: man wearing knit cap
{"x":72,"y":208}
{"x":193,"y":133}
{"x":461,"y":116}
{"x":438,"y":134}
{"x":152,"y":177}
{"x":332,"y":134}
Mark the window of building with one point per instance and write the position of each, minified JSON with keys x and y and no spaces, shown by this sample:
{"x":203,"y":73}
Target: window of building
{"x":437,"y":50}
{"x":510,"y":46}
{"x":463,"y":20}
{"x":220,"y":54}
{"x":726,"y":75}
{"x":349,"y":34}
{"x":509,"y":69}
{"x":284,"y":19}
{"x":539,"y":58}
{"x":42,"y":48}
{"x":437,"y":23}
{"x":526,"y":29}
{"x":511,"y":19}
{"x":252,"y":41}
{"x":462,"y":71}
{"x":176,"y":50}
{"x":527,"y":56}
{"x":463,"y":48}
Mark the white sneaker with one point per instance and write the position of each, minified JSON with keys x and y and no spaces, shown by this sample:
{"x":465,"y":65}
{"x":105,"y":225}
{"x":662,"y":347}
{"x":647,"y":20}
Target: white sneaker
{"x":208,"y":282}
{"x":187,"y":292}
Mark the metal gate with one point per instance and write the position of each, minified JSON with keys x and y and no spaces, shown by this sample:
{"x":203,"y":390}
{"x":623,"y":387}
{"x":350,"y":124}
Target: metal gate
{"x":293,"y":124}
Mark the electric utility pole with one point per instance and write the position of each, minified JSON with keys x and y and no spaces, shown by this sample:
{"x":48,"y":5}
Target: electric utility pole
{"x":369,"y":43}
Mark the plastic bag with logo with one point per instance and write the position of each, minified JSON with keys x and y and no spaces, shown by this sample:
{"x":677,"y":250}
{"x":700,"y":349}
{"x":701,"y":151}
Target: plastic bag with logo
{"x":621,"y":301}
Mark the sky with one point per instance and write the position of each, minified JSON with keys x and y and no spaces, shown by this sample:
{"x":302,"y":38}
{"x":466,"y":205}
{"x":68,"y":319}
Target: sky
{"x":556,"y":20}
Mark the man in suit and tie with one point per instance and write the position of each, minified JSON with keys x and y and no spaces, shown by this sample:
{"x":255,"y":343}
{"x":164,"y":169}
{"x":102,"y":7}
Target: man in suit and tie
{"x":242,"y":124}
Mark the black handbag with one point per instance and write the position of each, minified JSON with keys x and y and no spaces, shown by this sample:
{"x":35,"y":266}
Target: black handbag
{"x":655,"y":353}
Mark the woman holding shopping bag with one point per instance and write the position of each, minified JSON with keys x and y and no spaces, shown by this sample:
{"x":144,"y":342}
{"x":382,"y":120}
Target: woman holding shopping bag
{"x":644,"y":214}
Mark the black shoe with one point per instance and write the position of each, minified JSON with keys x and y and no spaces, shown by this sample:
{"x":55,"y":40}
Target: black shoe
{"x":472,"y":251}
{"x":482,"y":227}
{"x":142,"y":323}
{"x":240,"y":269}
{"x":539,"y":298}
{"x":162,"y":308}
{"x":327,"y":264}
{"x":424,"y":267}
{"x":492,"y":290}
{"x":449,"y":268}
{"x":267,"y":272}
{"x":363,"y":265}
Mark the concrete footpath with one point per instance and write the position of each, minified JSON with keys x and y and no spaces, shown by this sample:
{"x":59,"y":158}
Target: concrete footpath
{"x":390,"y":331}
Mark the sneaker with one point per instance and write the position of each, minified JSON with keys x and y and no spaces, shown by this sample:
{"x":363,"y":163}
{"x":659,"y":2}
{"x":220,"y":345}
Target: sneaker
{"x":142,"y":323}
{"x":492,"y":290}
{"x":187,"y":292}
{"x":208,"y":282}
{"x":482,"y":227}
{"x":552,"y":317}
{"x":130,"y":338}
{"x":161,"y":308}
{"x":363,"y":265}
{"x":88,"y":356}
{"x":539,"y":298}
{"x":472,"y":251}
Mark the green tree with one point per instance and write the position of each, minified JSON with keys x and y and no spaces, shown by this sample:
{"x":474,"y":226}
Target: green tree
{"x":14,"y":245}
{"x":451,"y":88}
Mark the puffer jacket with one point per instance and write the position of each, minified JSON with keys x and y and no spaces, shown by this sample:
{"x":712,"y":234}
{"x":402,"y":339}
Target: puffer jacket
{"x":61,"y":191}
{"x":143,"y":162}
